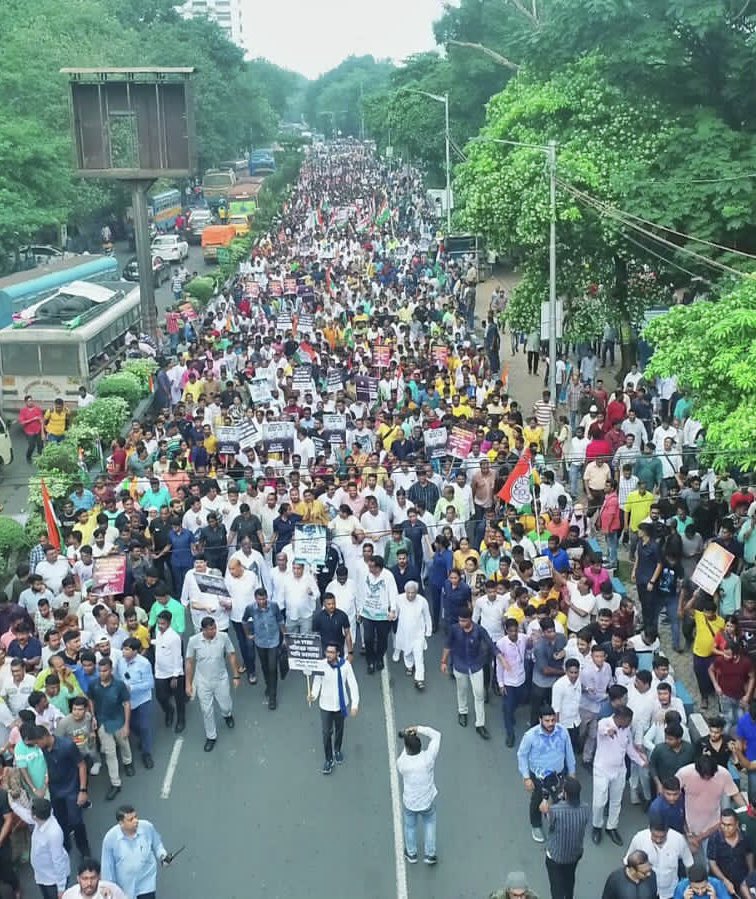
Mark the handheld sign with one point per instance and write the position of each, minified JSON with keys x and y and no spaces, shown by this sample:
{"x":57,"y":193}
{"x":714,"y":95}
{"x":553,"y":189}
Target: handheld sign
{"x":109,"y":575}
{"x":305,"y":653}
{"x":435,"y":440}
{"x":310,"y":544}
{"x":712,"y":567}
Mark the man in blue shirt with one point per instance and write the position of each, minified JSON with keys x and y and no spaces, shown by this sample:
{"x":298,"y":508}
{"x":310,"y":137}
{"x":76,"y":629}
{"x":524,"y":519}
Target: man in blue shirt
{"x":697,"y":883}
{"x":559,"y":558}
{"x":669,"y":805}
{"x":470,"y":648}
{"x":545,"y":754}
{"x":263,"y":622}
{"x":130,"y":854}
{"x":136,"y":672}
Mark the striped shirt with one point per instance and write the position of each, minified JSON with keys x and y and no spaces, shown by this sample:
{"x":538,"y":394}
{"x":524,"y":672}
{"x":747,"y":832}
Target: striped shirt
{"x":544,"y":412}
{"x":566,"y":831}
{"x":625,"y":487}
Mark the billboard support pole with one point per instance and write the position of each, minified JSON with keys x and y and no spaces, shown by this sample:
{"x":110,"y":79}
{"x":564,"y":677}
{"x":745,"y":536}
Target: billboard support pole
{"x":144,"y":256}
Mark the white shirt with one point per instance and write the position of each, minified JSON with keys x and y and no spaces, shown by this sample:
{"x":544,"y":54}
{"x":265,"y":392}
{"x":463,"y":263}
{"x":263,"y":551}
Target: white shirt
{"x":490,"y":615}
{"x":326,"y":686}
{"x":169,"y":661}
{"x":297,"y":596}
{"x":17,"y":695}
{"x":345,"y":596}
{"x":49,"y":860}
{"x":83,"y":401}
{"x":53,"y":574}
{"x":201,"y":603}
{"x":565,"y":700}
{"x":417,"y":773}
{"x":587,"y":603}
{"x":112,"y":892}
{"x":242,"y":590}
{"x":643,"y":705}
{"x":663,"y":859}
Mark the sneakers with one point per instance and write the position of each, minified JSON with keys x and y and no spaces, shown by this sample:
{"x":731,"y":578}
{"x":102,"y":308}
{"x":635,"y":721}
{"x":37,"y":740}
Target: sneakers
{"x":411,"y":857}
{"x":634,"y":797}
{"x":327,"y":767}
{"x":537,"y":835}
{"x":338,"y":757}
{"x":95,"y":769}
{"x":430,"y":859}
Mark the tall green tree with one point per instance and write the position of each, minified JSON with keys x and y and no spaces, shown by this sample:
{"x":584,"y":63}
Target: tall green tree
{"x":710,"y":347}
{"x":336,"y":101}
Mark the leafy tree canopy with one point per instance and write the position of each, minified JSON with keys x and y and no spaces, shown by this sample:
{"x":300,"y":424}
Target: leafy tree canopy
{"x":710,"y":347}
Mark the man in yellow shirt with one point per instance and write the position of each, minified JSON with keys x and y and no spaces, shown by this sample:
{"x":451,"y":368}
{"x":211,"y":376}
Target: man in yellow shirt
{"x":210,"y":441}
{"x":193,"y":387}
{"x":459,"y":409}
{"x":637,"y":509}
{"x":311,"y":509}
{"x":57,"y":420}
{"x":389,"y":432}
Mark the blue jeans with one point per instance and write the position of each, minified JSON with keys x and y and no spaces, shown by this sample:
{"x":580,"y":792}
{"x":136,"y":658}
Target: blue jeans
{"x":246,"y":648}
{"x":576,"y":475}
{"x":141,"y":725}
{"x":429,"y":830}
{"x":612,"y":544}
{"x":513,"y":697}
{"x":670,"y":604}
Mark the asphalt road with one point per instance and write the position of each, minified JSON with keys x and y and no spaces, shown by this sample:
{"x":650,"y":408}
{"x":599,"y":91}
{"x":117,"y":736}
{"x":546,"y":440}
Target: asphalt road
{"x":257,"y":811}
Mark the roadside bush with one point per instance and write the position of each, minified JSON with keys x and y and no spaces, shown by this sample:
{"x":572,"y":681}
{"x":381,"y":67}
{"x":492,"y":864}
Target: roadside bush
{"x":13,"y":540}
{"x":59,"y":484}
{"x":122,"y":384}
{"x":60,"y":457}
{"x":201,"y":289}
{"x":87,"y":438}
{"x":143,"y":369}
{"x":106,"y":416}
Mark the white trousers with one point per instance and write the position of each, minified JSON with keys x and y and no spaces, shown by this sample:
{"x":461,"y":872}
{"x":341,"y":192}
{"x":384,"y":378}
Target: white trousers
{"x":220,"y":691}
{"x":416,"y":657}
{"x":607,"y":789}
{"x":475,"y":681}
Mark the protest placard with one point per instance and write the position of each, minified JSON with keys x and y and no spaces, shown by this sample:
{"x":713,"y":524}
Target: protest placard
{"x":381,"y":355}
{"x":306,"y":323}
{"x":249,"y":433}
{"x":334,"y":380}
{"x":366,"y":389}
{"x":310,"y":544}
{"x":305,"y":653}
{"x":301,"y":378}
{"x":228,"y":440}
{"x":712,"y":567}
{"x":440,"y":355}
{"x":334,"y":428}
{"x":435,"y":440}
{"x":109,"y":575}
{"x":279,"y":436}
{"x":259,"y":390}
{"x":460,"y":441}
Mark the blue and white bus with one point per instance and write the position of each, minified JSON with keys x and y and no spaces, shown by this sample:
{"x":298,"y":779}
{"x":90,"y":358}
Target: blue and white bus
{"x":25,"y":288}
{"x":163,"y":209}
{"x":72,"y":338}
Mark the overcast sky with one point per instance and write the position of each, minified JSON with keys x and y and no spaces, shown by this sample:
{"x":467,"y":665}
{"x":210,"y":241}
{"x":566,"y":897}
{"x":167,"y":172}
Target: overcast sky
{"x":313,"y":36}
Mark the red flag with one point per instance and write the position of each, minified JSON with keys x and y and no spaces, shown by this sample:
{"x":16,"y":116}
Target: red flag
{"x":517,"y":486}
{"x":51,"y":519}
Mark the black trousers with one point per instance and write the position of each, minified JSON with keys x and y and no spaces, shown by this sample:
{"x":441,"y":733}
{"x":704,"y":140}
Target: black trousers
{"x":146,"y":895}
{"x":48,"y":890}
{"x":376,"y":639}
{"x":70,"y":818}
{"x":33,"y":442}
{"x":561,"y":878}
{"x":164,"y":693}
{"x":538,"y":697}
{"x":269,"y":667}
{"x":533,"y":357}
{"x":333,"y":732}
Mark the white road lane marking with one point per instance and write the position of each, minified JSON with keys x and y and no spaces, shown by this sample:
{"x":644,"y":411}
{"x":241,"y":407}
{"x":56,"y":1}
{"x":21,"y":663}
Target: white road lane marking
{"x":396,"y":796}
{"x":173,"y":761}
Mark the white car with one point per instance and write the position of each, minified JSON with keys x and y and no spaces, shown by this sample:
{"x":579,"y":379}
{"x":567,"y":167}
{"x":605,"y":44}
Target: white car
{"x":170,"y":247}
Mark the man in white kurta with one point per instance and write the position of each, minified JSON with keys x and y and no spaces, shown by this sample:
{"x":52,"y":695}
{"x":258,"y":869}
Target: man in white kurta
{"x":414,"y":625}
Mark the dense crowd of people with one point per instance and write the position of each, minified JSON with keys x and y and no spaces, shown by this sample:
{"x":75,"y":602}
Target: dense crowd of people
{"x":334,"y":451}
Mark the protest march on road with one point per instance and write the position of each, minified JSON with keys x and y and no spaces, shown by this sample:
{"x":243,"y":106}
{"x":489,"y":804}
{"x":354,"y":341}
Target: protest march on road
{"x":335,"y":469}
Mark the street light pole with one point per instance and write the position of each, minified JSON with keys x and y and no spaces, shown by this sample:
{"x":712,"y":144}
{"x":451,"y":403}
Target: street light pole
{"x":448,"y":164}
{"x":551,"y":157}
{"x":440,"y":98}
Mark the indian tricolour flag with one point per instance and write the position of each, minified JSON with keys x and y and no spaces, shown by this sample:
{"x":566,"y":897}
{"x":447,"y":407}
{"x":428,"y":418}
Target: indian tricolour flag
{"x":51,"y":519}
{"x":383,"y":214}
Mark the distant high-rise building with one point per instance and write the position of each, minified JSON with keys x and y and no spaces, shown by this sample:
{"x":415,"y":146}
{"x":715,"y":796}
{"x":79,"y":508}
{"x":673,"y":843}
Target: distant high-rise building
{"x":227,"y":13}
